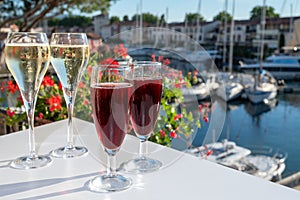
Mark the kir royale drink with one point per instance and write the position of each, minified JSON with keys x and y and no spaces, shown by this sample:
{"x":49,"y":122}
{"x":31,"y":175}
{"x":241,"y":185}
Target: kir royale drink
{"x":145,"y":104}
{"x":110,"y":103}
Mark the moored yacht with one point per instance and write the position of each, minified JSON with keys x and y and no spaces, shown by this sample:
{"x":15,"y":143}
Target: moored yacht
{"x":257,"y":163}
{"x":286,"y":67}
{"x":263,"y":89}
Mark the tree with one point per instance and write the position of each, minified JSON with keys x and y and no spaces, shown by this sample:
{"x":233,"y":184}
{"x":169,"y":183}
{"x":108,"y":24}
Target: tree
{"x":71,"y":21}
{"x":222,"y":16}
{"x":114,"y":19}
{"x":192,"y":17}
{"x":147,"y":17}
{"x":256,"y":12}
{"x":27,"y":13}
{"x":125,"y":18}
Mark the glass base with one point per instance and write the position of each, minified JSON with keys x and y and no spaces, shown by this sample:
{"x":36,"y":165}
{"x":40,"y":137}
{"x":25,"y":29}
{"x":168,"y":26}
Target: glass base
{"x":141,"y":165}
{"x":28,"y":162}
{"x":67,"y":152}
{"x":107,"y":183}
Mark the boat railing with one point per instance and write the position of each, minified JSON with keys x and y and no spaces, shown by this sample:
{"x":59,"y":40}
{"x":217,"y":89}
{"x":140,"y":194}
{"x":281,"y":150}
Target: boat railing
{"x":275,"y":153}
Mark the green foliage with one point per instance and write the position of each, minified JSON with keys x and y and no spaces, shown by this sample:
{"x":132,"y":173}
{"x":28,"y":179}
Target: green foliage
{"x":222,"y":16}
{"x":125,"y":18}
{"x":71,"y":21}
{"x":192,"y":17}
{"x":50,"y":104}
{"x":29,"y":13}
{"x":114,"y":19}
{"x":147,"y":17}
{"x":256,"y":12}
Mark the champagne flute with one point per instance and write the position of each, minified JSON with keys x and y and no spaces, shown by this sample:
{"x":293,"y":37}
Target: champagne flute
{"x":27,"y":56}
{"x":110,"y":94}
{"x":144,"y":110}
{"x":69,"y":57}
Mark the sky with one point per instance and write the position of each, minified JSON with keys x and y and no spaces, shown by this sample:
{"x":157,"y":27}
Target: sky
{"x":208,"y":9}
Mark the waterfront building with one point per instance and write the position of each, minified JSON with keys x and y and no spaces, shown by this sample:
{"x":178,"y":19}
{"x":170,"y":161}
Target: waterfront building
{"x":211,"y":34}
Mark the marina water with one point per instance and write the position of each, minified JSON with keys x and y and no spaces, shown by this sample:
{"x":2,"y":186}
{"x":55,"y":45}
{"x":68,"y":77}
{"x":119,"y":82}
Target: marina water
{"x":252,"y":126}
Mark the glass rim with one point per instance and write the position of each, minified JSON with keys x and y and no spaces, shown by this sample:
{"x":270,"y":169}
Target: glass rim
{"x":13,"y":35}
{"x":23,"y":32}
{"x":73,"y":33}
{"x":112,"y":66}
{"x":146,"y":63}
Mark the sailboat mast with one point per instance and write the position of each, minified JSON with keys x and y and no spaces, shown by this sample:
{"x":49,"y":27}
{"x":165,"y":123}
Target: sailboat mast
{"x":198,"y":21}
{"x":263,"y":24}
{"x":231,"y":38}
{"x":225,"y":36}
{"x":141,"y":22}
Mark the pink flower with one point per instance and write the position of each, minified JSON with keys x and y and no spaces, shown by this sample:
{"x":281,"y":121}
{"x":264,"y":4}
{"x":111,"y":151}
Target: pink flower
{"x":160,"y":58}
{"x":167,"y":61}
{"x":41,"y":115}
{"x":81,"y":85}
{"x":153,"y":57}
{"x":86,"y":102}
{"x":200,"y":108}
{"x":162,"y":133}
{"x":205,"y":118}
{"x":178,"y":116}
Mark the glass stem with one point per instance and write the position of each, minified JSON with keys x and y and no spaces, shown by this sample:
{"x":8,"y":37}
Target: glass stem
{"x":143,"y":148}
{"x":70,"y":137}
{"x":111,"y":164}
{"x":30,"y":117}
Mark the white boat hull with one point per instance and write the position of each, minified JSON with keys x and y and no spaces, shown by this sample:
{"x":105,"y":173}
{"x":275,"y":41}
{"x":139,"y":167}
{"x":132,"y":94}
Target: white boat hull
{"x":265,"y":92}
{"x":195,"y":93}
{"x":268,"y":167}
{"x":232,"y":91}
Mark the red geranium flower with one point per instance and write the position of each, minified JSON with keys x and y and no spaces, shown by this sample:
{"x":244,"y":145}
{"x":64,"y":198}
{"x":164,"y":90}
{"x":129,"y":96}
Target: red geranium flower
{"x":173,"y":134}
{"x":11,"y":87}
{"x":205,"y":118}
{"x":2,"y":88}
{"x":47,"y":81}
{"x":55,"y":103}
{"x":178,"y":116}
{"x":60,"y":85}
{"x":10,"y":113}
{"x":109,"y":61}
{"x":20,"y":99}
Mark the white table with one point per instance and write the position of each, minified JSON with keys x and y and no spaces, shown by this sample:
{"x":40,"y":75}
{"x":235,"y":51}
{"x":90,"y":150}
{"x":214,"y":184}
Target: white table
{"x":182,"y":177}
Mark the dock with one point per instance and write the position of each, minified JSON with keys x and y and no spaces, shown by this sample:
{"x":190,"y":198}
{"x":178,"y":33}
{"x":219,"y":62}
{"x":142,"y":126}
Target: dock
{"x":292,"y":181}
{"x":289,"y":89}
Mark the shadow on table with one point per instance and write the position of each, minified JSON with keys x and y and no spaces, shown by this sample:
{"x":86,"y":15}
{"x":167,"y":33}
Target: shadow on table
{"x":14,"y":188}
{"x":4,"y":163}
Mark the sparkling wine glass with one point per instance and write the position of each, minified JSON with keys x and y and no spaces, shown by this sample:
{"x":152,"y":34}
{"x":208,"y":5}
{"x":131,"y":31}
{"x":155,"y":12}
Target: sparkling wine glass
{"x":69,"y":57}
{"x":110,"y":94}
{"x":144,"y":110}
{"x":27,"y":56}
